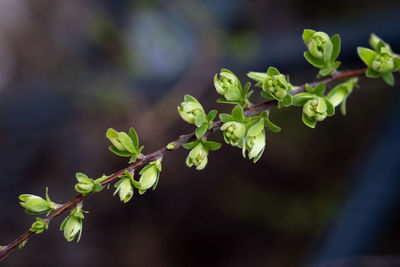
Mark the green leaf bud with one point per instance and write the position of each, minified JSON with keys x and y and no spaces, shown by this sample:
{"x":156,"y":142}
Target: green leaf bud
{"x":255,"y":145}
{"x":339,"y":94}
{"x":198,"y":157}
{"x":86,"y":185}
{"x":319,"y":45}
{"x":382,"y":63}
{"x":124,"y":145}
{"x":228,"y":85}
{"x":276,"y":86}
{"x":35,"y":205}
{"x":72,"y":224}
{"x":39,"y":226}
{"x":190,"y":109}
{"x":124,"y":187}
{"x":233,"y":132}
{"x":149,"y":176}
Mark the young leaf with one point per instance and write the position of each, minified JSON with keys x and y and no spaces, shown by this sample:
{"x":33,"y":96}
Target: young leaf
{"x":310,"y":122}
{"x":366,"y":55}
{"x":201,"y":130}
{"x":237,"y":113}
{"x":388,"y":78}
{"x":225,"y":117}
{"x":335,"y":39}
{"x":127,"y":142}
{"x":211,"y":145}
{"x":119,"y":153}
{"x":134,"y":137}
{"x":272,"y":71}
{"x":211,"y":115}
{"x":316,"y":62}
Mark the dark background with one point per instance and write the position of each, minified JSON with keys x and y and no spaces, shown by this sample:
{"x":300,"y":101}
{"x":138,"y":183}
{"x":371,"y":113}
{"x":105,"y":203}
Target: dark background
{"x":71,"y":69}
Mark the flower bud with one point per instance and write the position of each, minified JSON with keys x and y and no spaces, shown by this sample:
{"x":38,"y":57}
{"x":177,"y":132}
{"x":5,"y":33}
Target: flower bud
{"x":39,"y":226}
{"x":198,"y":157}
{"x":86,"y":185}
{"x":190,"y":109}
{"x":35,"y":205}
{"x":72,"y":225}
{"x":149,"y":176}
{"x":228,"y":85}
{"x":233,"y":132}
{"x":382,"y":63}
{"x":315,"y":108}
{"x":277,"y":86}
{"x":124,"y":189}
{"x":317,"y":44}
{"x":255,"y":145}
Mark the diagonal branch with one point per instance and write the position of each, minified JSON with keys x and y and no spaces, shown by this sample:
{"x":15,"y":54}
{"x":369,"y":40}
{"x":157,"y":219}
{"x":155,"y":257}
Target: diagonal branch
{"x":251,"y":111}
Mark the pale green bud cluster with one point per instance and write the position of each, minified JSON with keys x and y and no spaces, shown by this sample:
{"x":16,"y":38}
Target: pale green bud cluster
{"x":72,"y":224}
{"x":274,"y":85}
{"x":124,"y":187}
{"x":381,"y":61}
{"x":316,"y":106}
{"x":198,"y":155}
{"x":125,"y":145}
{"x":39,"y":226}
{"x":254,"y":142}
{"x":233,"y":132}
{"x":191,"y":110}
{"x":149,"y":176}
{"x":322,"y":51}
{"x":87,"y":185}
{"x":228,"y":85}
{"x":35,"y":205}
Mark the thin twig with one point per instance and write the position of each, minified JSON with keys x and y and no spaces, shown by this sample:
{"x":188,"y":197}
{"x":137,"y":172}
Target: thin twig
{"x":253,"y":110}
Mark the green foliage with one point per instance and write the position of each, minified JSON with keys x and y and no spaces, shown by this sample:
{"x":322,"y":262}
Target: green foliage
{"x":124,"y":187}
{"x":72,"y":224}
{"x":35,"y":205}
{"x":245,"y":127}
{"x":149,"y":177}
{"x":229,"y":86}
{"x":339,"y":94}
{"x":316,"y":106}
{"x":198,"y":154}
{"x":39,"y":226}
{"x":322,"y":51}
{"x":124,"y":145}
{"x":87,"y":185}
{"x":381,"y":61}
{"x":192,"y":112}
{"x":274,"y":86}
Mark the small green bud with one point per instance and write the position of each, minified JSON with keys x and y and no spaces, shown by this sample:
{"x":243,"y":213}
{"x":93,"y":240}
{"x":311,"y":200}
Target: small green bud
{"x":124,"y":187}
{"x":254,"y":141}
{"x":149,"y":176}
{"x":233,"y":132}
{"x":72,"y":224}
{"x":190,"y":109}
{"x":39,"y":226}
{"x":228,"y":85}
{"x":339,"y":94}
{"x":198,"y":157}
{"x":35,"y":205}
{"x":86,"y":185}
{"x":318,"y":44}
{"x":382,"y":63}
{"x":171,"y":146}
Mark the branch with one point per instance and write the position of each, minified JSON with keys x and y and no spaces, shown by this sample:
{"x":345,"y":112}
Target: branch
{"x":159,"y":154}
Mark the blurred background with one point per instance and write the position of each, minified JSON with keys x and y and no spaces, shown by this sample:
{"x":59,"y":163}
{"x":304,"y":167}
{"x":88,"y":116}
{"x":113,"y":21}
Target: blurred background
{"x":71,"y":69}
